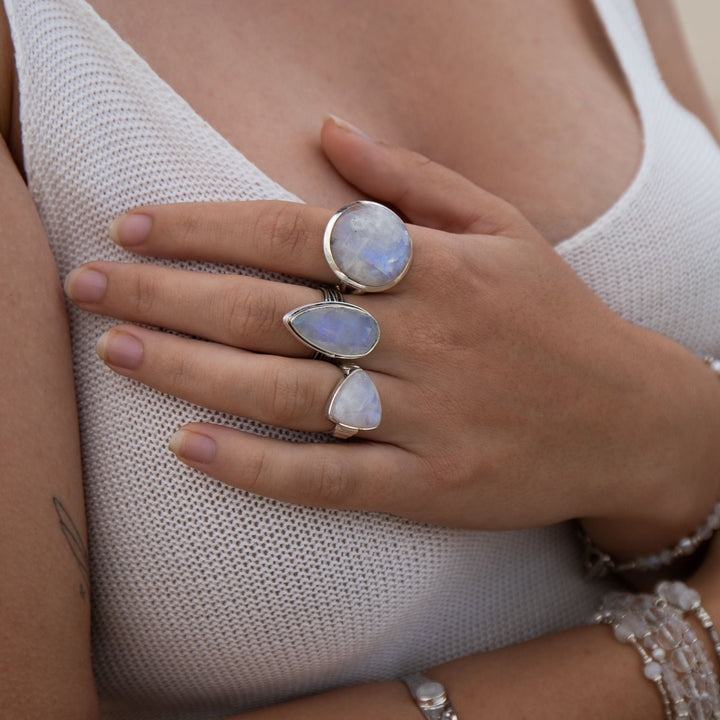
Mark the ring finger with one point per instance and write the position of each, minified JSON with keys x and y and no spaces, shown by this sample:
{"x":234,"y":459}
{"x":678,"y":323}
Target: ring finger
{"x":282,"y":391}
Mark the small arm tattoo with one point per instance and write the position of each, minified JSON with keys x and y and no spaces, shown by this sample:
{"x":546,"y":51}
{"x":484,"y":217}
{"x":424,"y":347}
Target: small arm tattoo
{"x":75,"y":541}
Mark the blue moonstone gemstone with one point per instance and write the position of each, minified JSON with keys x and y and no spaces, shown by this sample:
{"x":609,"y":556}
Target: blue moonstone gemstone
{"x":336,"y":329}
{"x":355,"y":402}
{"x":368,"y":246}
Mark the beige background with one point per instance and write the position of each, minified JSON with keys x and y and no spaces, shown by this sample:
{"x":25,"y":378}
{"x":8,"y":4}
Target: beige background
{"x":701,"y":21}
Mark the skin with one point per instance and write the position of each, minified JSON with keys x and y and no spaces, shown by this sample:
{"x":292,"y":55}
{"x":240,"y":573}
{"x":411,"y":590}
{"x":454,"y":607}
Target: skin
{"x":480,"y":124}
{"x":490,"y":126}
{"x":44,"y":600}
{"x":43,"y":635}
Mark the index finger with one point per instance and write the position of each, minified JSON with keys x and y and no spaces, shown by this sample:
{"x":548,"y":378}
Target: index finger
{"x":279,"y":236}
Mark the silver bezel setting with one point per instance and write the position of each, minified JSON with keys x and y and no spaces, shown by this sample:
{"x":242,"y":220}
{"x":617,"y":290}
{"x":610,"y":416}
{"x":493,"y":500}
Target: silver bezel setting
{"x":296,"y":312}
{"x":346,"y":282}
{"x":342,"y":430}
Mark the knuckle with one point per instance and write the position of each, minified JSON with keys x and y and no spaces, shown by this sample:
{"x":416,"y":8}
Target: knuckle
{"x":451,"y":265}
{"x":406,"y":159}
{"x":418,"y":161}
{"x":178,"y":374}
{"x":284,"y":229}
{"x":142,"y":292}
{"x":410,"y":164}
{"x":286,"y":396}
{"x":448,"y":265}
{"x":331,"y":485}
{"x":256,"y":473}
{"x":437,"y":265}
{"x":445,"y":475}
{"x":232,"y":306}
{"x":437,"y":270}
{"x":248,"y":314}
{"x":187,"y":226}
{"x":507,"y":220}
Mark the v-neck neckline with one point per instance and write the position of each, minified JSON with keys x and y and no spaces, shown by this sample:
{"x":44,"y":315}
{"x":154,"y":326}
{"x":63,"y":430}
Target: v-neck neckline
{"x":610,"y":26}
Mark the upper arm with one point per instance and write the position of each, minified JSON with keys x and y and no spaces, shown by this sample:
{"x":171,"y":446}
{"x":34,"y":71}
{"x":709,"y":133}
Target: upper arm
{"x":44,"y":618}
{"x":7,"y":78}
{"x":674,"y":60}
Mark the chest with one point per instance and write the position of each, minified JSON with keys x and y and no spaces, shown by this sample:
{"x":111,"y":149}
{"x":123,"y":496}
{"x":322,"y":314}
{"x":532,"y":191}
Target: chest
{"x":523,"y":98}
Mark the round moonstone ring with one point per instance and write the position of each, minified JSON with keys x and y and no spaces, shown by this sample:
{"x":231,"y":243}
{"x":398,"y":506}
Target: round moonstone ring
{"x":367,"y":246}
{"x":354,"y":403}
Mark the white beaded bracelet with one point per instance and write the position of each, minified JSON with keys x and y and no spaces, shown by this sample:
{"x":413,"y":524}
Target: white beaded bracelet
{"x":677,"y":593}
{"x":625,"y":612}
{"x":598,"y":563}
{"x":673,"y":657}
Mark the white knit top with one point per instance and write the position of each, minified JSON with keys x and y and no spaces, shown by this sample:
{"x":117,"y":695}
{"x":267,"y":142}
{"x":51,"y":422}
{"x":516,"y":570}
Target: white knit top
{"x":209,"y":600}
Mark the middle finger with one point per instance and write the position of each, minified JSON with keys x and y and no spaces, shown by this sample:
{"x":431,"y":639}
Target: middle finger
{"x":236,"y":310}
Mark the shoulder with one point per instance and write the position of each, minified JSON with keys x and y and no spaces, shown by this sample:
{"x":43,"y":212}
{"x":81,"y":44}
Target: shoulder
{"x":674,"y":60}
{"x":9,"y":124}
{"x":7,"y":76}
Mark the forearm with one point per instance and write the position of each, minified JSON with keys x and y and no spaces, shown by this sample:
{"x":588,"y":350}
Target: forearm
{"x":582,"y":673}
{"x":44,"y":592}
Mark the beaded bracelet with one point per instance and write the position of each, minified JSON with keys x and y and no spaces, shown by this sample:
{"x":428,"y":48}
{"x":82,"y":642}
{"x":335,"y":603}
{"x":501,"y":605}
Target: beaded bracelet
{"x":598,"y":563}
{"x":615,"y":610}
{"x":673,"y":657}
{"x":677,"y":593}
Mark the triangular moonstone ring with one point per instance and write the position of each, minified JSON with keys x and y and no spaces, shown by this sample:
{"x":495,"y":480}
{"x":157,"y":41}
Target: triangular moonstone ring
{"x":355,"y":403}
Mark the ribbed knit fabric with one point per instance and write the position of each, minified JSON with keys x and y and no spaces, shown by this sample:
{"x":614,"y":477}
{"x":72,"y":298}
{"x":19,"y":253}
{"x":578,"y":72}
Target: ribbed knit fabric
{"x":208,"y":600}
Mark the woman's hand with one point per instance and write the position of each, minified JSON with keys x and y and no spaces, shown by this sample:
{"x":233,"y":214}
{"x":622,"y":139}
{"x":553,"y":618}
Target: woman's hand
{"x":511,"y":395}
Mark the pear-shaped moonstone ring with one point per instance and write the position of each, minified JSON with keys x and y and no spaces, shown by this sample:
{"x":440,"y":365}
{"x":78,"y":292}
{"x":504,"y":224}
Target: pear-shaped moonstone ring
{"x":334,"y":329}
{"x":354,"y":403}
{"x":367,"y":246}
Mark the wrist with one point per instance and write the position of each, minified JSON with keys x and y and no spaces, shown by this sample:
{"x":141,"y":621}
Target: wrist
{"x":672,"y":477}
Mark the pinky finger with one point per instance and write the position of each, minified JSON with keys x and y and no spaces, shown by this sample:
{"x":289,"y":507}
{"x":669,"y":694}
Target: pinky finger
{"x":351,"y":476}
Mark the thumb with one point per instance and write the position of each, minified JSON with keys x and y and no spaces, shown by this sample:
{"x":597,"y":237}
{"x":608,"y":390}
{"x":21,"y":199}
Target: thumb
{"x":425,"y":192}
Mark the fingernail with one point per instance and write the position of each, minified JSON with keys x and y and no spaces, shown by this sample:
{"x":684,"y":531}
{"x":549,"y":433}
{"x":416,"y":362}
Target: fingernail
{"x":345,"y":125}
{"x":85,"y":285}
{"x":120,"y":349}
{"x":131,"y":229}
{"x":193,"y":447}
